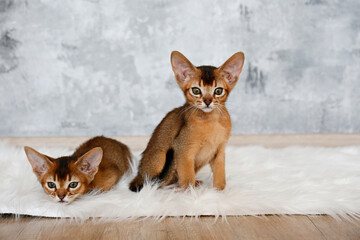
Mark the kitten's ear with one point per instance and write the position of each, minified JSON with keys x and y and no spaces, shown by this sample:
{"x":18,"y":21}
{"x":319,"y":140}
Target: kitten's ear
{"x":232,"y":68}
{"x":182,"y":67}
{"x":89,"y":162}
{"x":39,"y":162}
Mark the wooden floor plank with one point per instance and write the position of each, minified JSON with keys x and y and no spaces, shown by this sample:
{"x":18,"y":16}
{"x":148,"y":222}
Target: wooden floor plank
{"x":337,"y":229}
{"x":275,"y":227}
{"x":9,"y":229}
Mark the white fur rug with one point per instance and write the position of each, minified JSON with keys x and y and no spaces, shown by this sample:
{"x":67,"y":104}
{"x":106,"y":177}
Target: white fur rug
{"x":293,"y":180}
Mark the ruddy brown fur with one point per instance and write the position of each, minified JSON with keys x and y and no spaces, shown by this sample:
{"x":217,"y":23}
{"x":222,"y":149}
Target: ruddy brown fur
{"x":195,"y":134}
{"x":98,"y":163}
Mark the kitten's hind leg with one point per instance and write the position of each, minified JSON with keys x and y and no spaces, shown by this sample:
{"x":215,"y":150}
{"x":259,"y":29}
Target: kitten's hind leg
{"x":105,"y":180}
{"x":158,"y":148}
{"x":170,"y":176}
{"x":109,"y":183}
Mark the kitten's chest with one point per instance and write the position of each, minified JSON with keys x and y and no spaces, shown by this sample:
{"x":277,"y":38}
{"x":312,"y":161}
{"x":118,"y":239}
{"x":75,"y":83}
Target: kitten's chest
{"x":209,"y":135}
{"x":212,"y":129}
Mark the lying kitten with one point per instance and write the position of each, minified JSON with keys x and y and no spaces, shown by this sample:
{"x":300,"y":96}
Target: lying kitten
{"x":98,"y":163}
{"x":195,"y":134}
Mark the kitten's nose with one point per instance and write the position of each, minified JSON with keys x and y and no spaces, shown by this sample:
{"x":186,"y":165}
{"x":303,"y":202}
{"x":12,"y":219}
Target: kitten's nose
{"x":207,"y":101}
{"x":61,"y":196}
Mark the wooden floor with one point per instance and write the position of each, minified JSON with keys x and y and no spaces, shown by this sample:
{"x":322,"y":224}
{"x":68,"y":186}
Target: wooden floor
{"x":269,"y":227}
{"x":249,"y":227}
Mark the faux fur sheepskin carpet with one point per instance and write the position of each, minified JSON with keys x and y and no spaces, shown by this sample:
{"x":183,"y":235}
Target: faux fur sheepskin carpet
{"x":292,"y":180}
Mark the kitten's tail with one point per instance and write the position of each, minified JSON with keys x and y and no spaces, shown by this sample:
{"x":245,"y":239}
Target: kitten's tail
{"x":159,"y":169}
{"x":137,"y":183}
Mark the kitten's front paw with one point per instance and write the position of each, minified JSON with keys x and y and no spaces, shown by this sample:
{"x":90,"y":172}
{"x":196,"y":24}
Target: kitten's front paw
{"x":220,"y":185}
{"x":197,"y":184}
{"x":136,"y":184}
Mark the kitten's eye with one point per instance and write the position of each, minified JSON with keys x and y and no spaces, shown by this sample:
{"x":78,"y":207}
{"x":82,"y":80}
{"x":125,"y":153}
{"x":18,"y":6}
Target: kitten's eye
{"x":73,"y":184}
{"x":51,"y":184}
{"x":218,"y":91}
{"x":196,"y":91}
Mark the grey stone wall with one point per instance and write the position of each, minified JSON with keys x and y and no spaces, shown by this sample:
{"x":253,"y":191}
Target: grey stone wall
{"x":76,"y":67}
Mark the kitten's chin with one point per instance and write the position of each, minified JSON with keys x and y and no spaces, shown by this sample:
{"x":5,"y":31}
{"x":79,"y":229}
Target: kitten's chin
{"x":65,"y":201}
{"x":207,"y":109}
{"x":62,"y":202}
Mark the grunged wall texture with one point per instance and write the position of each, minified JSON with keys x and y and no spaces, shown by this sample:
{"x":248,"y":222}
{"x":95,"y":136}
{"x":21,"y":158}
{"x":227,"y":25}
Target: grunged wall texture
{"x":102,"y":66}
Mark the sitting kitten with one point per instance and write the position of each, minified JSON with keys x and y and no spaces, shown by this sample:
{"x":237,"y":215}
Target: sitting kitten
{"x":195,"y":134}
{"x":98,"y":163}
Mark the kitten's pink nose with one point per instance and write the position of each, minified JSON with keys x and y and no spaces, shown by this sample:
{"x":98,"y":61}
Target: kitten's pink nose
{"x":61,"y":196}
{"x":207,"y":101}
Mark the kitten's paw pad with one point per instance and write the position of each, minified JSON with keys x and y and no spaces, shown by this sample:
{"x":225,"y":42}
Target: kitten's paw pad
{"x":136,"y":185}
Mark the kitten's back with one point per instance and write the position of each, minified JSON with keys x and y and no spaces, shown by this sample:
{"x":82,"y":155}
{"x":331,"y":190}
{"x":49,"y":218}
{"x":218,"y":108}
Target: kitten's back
{"x":114,"y":164}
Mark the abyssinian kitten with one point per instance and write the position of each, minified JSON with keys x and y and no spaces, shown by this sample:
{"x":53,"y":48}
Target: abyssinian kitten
{"x":98,"y":163}
{"x":196,"y":133}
